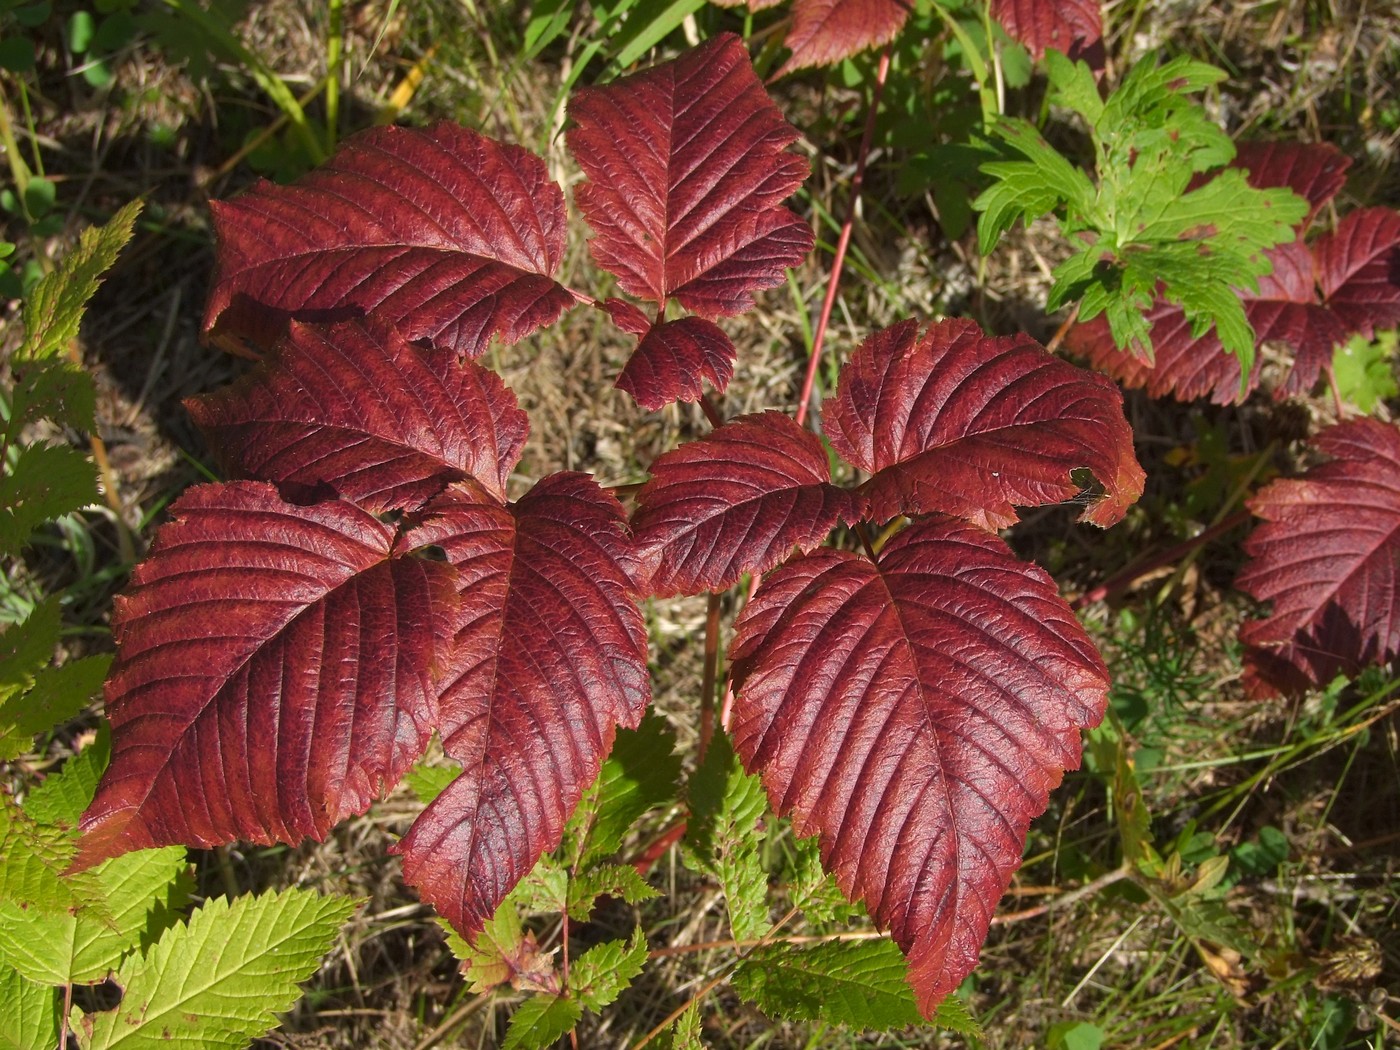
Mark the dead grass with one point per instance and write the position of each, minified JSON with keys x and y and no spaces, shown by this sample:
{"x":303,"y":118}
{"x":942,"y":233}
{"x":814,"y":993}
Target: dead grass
{"x":1326,"y":924}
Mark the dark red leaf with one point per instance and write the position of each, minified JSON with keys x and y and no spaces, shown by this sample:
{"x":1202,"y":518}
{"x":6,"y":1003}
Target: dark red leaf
{"x":1316,"y":172}
{"x":1358,"y":269}
{"x":355,"y":408}
{"x":825,"y":32}
{"x":447,"y":235}
{"x":686,"y":163}
{"x":1072,"y":27}
{"x":1327,"y":556}
{"x":627,"y":316}
{"x":957,"y":422}
{"x":736,"y":501}
{"x":915,"y":713}
{"x":675,"y":359}
{"x":274,"y":673}
{"x":551,"y":658}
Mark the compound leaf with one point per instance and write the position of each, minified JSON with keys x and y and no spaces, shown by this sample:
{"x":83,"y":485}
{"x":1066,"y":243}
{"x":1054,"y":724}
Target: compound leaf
{"x":42,"y":483}
{"x":1072,"y":27}
{"x":355,"y":409}
{"x":726,"y":804}
{"x":274,"y":673}
{"x":857,"y":983}
{"x":824,"y":32}
{"x":53,"y":310}
{"x":915,"y":712}
{"x":62,"y":797}
{"x":219,"y":980}
{"x":639,"y":775}
{"x":686,"y":163}
{"x":550,"y":658}
{"x":447,"y":235}
{"x":58,"y":694}
{"x":1326,"y":556}
{"x":603,"y":972}
{"x":956,"y":422}
{"x":736,"y":501}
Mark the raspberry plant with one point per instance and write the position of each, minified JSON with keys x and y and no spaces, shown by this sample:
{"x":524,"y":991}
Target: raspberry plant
{"x":905,"y":689}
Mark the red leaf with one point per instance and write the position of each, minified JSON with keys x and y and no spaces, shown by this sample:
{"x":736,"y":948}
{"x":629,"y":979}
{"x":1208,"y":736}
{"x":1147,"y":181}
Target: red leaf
{"x":825,"y":32}
{"x":551,"y":658}
{"x":687,"y":162}
{"x":354,"y":407}
{"x":736,"y":501}
{"x":674,"y":359}
{"x":273,"y":673}
{"x":915,"y":713}
{"x":1358,"y":269}
{"x":1327,"y":557}
{"x":1316,"y":172}
{"x":1072,"y":27}
{"x":447,"y":235}
{"x":956,"y":422}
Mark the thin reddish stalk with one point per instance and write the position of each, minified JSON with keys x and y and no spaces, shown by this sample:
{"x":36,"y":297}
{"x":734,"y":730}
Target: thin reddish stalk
{"x":842,"y":243}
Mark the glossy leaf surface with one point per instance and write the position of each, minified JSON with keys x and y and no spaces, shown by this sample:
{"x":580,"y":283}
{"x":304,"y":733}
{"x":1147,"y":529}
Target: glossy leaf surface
{"x":550,"y":659}
{"x":915,"y":713}
{"x":447,"y":235}
{"x":737,"y":501}
{"x":686,"y":164}
{"x":956,"y":422}
{"x":354,"y":409}
{"x":274,"y":673}
{"x":1326,"y":556}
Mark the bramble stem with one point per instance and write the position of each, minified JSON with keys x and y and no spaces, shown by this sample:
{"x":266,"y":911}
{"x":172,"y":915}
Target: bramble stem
{"x":1126,"y":578}
{"x":709,"y":677}
{"x":1063,"y":330}
{"x":837,"y":263}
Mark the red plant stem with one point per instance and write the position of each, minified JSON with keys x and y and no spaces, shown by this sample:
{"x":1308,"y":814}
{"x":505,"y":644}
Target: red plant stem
{"x":1125,"y":579}
{"x":647,"y":859}
{"x":842,"y":243}
{"x":712,"y":412}
{"x":709,"y":677}
{"x":1059,"y":336}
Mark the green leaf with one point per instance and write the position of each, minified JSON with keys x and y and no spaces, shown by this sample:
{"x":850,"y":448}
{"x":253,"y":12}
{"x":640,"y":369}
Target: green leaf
{"x":1074,"y":85}
{"x":50,"y":388}
{"x":62,"y":797}
{"x":1075,"y":1035}
{"x":26,"y":648}
{"x":685,"y":1033}
{"x":59,"y":693}
{"x":548,"y":21}
{"x":602,"y":973}
{"x":83,"y":946}
{"x":1027,"y":189}
{"x":638,"y":776}
{"x":221,"y":980}
{"x":814,"y":889}
{"x":427,"y":780}
{"x":953,"y":1014}
{"x":541,"y":1020}
{"x":613,"y":880}
{"x":649,"y":24}
{"x":33,"y":858}
{"x":55,"y":307}
{"x":721,"y":837}
{"x":1363,"y":370}
{"x":46,"y":482}
{"x":29,"y":1020}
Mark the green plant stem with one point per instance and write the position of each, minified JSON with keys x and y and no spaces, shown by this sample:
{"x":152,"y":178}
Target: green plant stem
{"x":335,"y":51}
{"x":19,"y":170}
{"x":834,"y":281}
